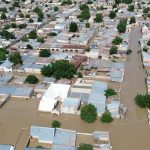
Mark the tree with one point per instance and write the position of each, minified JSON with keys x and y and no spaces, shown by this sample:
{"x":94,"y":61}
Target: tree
{"x":148,"y":43}
{"x":85,"y":12}
{"x":29,"y":46}
{"x":79,"y":75}
{"x":113,"y":50}
{"x":56,"y":8}
{"x":73,"y":27}
{"x":98,"y":18}
{"x":129,"y":51}
{"x":31,"y":20}
{"x":59,"y":69}
{"x":32,"y":35}
{"x":112,"y":14}
{"x":13,"y":25}
{"x":117,"y":40}
{"x":110,"y":92}
{"x":83,"y":146}
{"x":6,"y":35}
{"x":56,"y":124}
{"x":88,"y":113}
{"x":127,"y":1}
{"x":15,"y":58}
{"x":132,"y":20}
{"x":87,"y":25}
{"x":3,"y":16}
{"x":145,"y":49}
{"x":106,"y":117}
{"x":40,"y":39}
{"x":122,"y":25}
{"x":53,"y":34}
{"x":117,"y":1}
{"x":2,"y":54}
{"x":22,"y":26}
{"x":146,"y":10}
{"x":47,"y":71}
{"x":143,"y":101}
{"x":84,"y":6}
{"x":44,"y":53}
{"x":131,"y":8}
{"x":31,"y":79}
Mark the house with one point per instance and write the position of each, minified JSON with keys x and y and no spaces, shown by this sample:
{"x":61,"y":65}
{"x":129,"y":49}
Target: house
{"x":6,"y":66}
{"x":97,"y":96}
{"x":55,"y":92}
{"x":42,"y":135}
{"x":70,"y":105}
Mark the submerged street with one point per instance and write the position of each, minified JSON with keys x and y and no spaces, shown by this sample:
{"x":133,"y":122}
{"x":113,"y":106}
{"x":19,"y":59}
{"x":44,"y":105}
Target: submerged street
{"x":131,"y":133}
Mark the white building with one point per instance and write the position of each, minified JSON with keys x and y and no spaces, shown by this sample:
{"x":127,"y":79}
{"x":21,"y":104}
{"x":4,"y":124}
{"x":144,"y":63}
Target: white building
{"x":55,"y":93}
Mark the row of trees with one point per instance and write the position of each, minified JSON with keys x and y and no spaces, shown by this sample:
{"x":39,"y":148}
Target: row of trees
{"x":89,"y":114}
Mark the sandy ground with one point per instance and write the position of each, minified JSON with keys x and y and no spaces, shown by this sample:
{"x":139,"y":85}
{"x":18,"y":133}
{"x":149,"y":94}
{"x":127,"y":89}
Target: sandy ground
{"x":132,"y":133}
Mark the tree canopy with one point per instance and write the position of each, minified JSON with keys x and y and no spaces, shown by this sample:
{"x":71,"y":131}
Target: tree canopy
{"x":15,"y":58}
{"x":6,"y":35}
{"x":56,"y":124}
{"x":3,"y":53}
{"x":132,"y":20}
{"x":143,"y":101}
{"x":32,"y":35}
{"x":88,"y":113}
{"x":117,"y":40}
{"x":44,"y":53}
{"x":106,"y":117}
{"x":113,"y":50}
{"x":59,"y":69}
{"x":122,"y":25}
{"x":110,"y":92}
{"x":112,"y":14}
{"x":83,"y":146}
{"x":31,"y":79}
{"x":98,"y":18}
{"x":73,"y":27}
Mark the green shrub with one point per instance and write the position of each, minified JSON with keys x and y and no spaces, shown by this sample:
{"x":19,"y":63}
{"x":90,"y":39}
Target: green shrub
{"x":88,"y":113}
{"x":56,"y":124}
{"x":31,"y":79}
{"x":106,"y":117}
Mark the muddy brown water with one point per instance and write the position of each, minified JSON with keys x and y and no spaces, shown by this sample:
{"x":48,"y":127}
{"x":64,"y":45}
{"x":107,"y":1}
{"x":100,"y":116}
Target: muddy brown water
{"x":132,"y":133}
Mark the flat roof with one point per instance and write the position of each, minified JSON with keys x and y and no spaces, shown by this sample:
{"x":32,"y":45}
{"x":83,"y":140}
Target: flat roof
{"x":44,"y":134}
{"x":65,"y":137}
{"x":16,"y":91}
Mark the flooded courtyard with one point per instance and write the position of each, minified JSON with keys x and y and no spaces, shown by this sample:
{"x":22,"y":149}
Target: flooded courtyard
{"x":132,"y":133}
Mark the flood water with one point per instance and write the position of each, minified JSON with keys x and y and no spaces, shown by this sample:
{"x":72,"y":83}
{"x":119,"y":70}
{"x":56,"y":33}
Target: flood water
{"x":132,"y":133}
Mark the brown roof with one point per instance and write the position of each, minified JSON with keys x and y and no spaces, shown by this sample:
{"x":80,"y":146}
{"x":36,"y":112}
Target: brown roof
{"x":70,"y":46}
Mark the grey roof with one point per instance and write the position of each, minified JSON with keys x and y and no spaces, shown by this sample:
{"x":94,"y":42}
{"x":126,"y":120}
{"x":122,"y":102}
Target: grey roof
{"x":6,"y":77}
{"x":65,"y":137}
{"x":60,"y":147}
{"x":116,"y":75}
{"x":97,"y":96}
{"x":16,"y":91}
{"x":82,"y":96}
{"x":7,"y":64}
{"x":44,"y":135}
{"x":28,"y":59}
{"x":48,"y":80}
{"x":71,"y":102}
{"x":6,"y":147}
